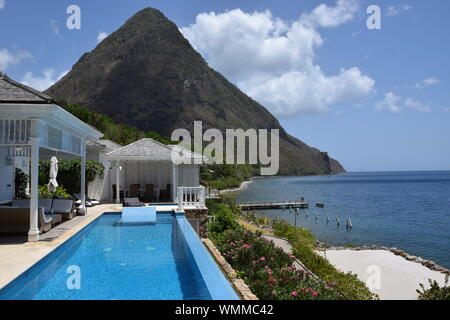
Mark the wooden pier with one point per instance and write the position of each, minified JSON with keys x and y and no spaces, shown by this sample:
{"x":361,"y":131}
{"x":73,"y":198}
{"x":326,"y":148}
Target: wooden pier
{"x":273,"y":205}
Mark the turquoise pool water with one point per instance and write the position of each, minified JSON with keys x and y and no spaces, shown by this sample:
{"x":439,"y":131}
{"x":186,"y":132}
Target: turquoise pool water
{"x":152,"y":262}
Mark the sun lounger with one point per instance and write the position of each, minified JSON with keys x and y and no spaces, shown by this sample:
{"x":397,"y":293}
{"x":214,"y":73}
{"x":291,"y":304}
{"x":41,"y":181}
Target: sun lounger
{"x":64,"y":207}
{"x":133,"y":202}
{"x":89,"y":202}
{"x":47,"y":205}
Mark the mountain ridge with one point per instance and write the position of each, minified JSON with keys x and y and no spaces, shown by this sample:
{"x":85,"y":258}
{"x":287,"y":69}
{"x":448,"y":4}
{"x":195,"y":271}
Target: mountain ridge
{"x":147,"y":75}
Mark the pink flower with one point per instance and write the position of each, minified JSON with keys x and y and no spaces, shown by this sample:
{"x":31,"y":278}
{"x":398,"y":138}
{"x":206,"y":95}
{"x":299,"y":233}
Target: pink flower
{"x":294,"y":293}
{"x":262,"y":259}
{"x":274,"y":292}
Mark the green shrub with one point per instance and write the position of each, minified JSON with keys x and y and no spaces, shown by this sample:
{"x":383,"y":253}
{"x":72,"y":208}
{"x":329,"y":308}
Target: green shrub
{"x":223,"y":219}
{"x":60,"y":192}
{"x":69,"y":173}
{"x":303,"y":243}
{"x":435,"y":292}
{"x":21,"y":183}
{"x":268,"y":270}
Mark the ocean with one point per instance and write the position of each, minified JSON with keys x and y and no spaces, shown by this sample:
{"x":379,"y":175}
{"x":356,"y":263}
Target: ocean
{"x":406,"y":210}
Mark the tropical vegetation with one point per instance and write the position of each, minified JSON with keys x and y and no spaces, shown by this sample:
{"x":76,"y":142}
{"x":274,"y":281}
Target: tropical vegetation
{"x":268,"y":270}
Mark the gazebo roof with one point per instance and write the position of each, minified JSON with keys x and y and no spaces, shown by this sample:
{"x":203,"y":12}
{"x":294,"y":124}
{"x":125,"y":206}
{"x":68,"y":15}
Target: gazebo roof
{"x":149,"y":149}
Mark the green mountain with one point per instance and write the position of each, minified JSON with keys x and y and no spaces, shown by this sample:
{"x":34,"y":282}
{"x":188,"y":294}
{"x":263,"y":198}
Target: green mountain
{"x":147,"y":75}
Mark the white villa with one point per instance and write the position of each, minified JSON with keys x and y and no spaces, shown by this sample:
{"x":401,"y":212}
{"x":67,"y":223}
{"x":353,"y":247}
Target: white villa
{"x":33,"y":126}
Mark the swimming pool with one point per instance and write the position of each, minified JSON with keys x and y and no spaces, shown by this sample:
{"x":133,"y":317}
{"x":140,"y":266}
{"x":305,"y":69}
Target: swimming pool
{"x":105,"y":261}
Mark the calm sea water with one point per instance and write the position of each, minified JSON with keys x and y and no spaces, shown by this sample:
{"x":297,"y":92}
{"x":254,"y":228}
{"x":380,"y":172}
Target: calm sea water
{"x":407,"y":210}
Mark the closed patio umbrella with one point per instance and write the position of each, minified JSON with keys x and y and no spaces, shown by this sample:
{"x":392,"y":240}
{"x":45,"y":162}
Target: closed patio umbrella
{"x":53,"y":184}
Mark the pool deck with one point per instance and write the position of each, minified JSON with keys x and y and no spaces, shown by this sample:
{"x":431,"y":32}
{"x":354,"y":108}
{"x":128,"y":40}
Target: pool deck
{"x":17,"y":255}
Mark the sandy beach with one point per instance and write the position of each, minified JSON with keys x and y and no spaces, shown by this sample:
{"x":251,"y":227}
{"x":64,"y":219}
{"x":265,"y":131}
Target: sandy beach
{"x":399,"y":278}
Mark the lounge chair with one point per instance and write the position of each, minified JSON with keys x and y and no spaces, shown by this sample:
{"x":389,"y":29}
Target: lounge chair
{"x":134,"y":190}
{"x":47,"y":205}
{"x":133,"y":202}
{"x":64,"y":207}
{"x":149,"y":188}
{"x":16,"y":220}
{"x":166,"y":195}
{"x":89,"y":202}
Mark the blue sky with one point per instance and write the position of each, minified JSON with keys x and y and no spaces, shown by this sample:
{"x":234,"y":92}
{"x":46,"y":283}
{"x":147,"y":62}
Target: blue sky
{"x":374,"y":99}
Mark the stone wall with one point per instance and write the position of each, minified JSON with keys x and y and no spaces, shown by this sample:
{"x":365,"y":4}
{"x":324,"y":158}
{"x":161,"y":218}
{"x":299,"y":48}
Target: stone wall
{"x":202,"y":216}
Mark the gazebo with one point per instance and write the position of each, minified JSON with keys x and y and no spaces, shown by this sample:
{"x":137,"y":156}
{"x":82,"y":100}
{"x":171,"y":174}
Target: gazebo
{"x":33,"y":127}
{"x":149,"y":162}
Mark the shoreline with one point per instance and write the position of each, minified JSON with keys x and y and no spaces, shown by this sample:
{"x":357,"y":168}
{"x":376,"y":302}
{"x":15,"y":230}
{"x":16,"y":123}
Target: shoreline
{"x":399,"y":274}
{"x":432,"y":265}
{"x":243,"y":186}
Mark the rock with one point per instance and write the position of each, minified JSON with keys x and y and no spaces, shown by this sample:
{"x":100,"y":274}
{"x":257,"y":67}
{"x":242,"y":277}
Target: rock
{"x":384,"y":248}
{"x":376,"y":247}
{"x":365,"y":248}
{"x":438,"y":268}
{"x":419,"y":260}
{"x":430,"y":264}
{"x":411,"y":258}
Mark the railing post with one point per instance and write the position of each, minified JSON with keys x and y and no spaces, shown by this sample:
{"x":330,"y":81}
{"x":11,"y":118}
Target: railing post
{"x":180,"y":199}
{"x":202,"y":196}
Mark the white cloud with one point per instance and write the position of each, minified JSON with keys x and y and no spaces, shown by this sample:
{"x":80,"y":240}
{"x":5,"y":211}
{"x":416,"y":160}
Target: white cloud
{"x":417,"y":105}
{"x":274,"y":61}
{"x":390,"y":103}
{"x":43,"y":82}
{"x":395,"y":103}
{"x":101,"y":36}
{"x":7,"y":58}
{"x":54,"y":27}
{"x":393,"y":11}
{"x":326,"y":16}
{"x":2,"y":4}
{"x":446,"y":109}
{"x":427,"y":82}
{"x":431,"y":81}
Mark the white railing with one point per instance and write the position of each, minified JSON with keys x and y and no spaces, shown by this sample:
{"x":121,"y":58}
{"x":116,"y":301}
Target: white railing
{"x":191,"y":196}
{"x":14,"y":131}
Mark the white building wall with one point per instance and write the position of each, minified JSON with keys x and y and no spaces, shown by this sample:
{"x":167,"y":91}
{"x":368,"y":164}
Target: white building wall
{"x":6,"y":177}
{"x":101,"y":188}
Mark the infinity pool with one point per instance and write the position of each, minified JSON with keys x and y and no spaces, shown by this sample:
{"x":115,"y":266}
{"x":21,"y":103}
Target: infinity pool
{"x":164,"y":261}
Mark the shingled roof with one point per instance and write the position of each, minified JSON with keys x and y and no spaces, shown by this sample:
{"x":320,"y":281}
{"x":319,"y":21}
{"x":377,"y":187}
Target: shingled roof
{"x":145,"y":147}
{"x":14,"y":92}
{"x":148,"y":147}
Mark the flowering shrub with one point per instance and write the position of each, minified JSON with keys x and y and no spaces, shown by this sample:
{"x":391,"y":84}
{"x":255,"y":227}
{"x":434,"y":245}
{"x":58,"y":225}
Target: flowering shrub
{"x":268,"y":270}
